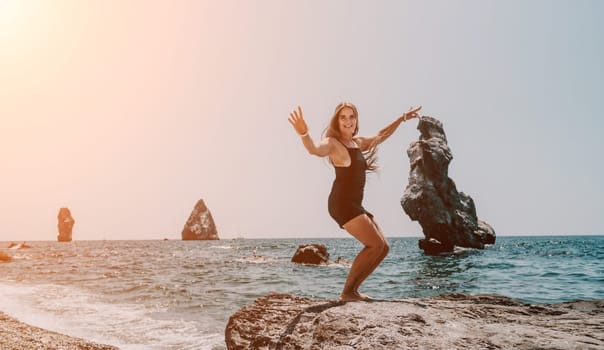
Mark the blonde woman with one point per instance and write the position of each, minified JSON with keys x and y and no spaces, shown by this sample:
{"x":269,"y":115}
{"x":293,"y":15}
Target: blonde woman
{"x":352,"y":156}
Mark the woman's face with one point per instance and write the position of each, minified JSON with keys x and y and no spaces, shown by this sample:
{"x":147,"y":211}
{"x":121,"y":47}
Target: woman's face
{"x":347,"y":121}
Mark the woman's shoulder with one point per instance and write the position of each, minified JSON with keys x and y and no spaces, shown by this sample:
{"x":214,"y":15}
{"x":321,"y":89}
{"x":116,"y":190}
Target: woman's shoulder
{"x":330,"y":140}
{"x":361,"y":141}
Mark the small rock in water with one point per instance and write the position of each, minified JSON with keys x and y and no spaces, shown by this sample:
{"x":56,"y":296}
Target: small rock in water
{"x":5,"y":257}
{"x":312,"y":254}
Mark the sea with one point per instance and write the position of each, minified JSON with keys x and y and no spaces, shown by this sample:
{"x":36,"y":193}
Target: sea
{"x":172,"y":294}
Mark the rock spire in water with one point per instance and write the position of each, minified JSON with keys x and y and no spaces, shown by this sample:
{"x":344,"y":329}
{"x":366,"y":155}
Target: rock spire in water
{"x":200,"y":225}
{"x":65,"y":225}
{"x":447,"y":217}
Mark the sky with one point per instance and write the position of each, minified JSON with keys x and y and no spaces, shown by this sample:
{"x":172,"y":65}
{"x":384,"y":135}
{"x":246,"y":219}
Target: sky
{"x":129,"y":112}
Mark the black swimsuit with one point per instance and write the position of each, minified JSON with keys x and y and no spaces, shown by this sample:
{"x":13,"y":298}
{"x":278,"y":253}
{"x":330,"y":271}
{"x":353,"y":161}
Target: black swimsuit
{"x":346,"y":197}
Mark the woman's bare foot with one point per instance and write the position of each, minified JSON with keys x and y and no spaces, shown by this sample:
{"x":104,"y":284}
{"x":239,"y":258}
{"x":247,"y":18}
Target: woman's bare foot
{"x":355,"y":296}
{"x":350,"y":297}
{"x":365,"y":297}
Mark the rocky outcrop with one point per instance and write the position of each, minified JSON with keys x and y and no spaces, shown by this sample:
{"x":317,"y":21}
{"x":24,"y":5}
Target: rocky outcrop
{"x":5,"y":257}
{"x":22,"y":245}
{"x":312,"y":254}
{"x":447,"y":217}
{"x":458,"y":321}
{"x":65,"y":225}
{"x":200,"y":225}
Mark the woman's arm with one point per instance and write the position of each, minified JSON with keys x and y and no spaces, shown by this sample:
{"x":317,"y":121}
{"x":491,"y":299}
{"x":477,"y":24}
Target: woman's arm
{"x":320,"y":149}
{"x":368,"y":142}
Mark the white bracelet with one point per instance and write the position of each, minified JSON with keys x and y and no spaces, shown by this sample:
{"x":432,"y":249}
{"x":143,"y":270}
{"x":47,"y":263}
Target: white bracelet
{"x":305,"y":134}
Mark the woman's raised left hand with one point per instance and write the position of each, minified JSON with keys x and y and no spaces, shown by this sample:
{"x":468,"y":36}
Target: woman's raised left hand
{"x":297,"y":121}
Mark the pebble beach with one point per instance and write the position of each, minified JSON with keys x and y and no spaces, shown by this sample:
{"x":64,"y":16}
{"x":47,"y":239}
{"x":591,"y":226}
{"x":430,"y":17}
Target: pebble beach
{"x":16,"y":335}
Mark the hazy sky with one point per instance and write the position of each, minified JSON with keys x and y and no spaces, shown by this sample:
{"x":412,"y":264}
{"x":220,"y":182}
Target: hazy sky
{"x":128,"y":112}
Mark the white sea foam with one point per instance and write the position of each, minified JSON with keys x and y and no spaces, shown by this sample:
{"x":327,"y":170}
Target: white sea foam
{"x":81,"y":314}
{"x":256,"y":259}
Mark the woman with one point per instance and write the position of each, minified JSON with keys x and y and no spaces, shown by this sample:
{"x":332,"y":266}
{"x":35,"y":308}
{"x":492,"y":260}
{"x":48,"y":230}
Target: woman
{"x":351,"y":156}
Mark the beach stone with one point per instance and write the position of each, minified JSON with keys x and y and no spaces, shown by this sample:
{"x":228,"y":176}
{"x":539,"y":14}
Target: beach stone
{"x":312,"y":254}
{"x":447,"y":217}
{"x":65,"y":225}
{"x":200,"y":225}
{"x":456,"y":321}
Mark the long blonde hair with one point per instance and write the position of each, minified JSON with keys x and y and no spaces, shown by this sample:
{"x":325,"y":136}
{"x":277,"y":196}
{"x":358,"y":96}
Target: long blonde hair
{"x":333,"y":130}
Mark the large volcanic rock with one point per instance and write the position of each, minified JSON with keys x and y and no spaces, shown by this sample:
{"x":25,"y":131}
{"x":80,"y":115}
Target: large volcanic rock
{"x":313,"y":254}
{"x":448,"y":217}
{"x":65,"y":225}
{"x":457,"y":321}
{"x":200,"y":225}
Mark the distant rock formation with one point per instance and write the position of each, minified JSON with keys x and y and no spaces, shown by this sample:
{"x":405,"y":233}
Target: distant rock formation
{"x":200,"y":225}
{"x":456,"y":321}
{"x":22,"y":245}
{"x":65,"y":225}
{"x":312,"y":254}
{"x":448,"y":218}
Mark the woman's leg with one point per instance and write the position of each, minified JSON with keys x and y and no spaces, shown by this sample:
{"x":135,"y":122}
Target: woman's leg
{"x":378,"y":261}
{"x":376,"y":248}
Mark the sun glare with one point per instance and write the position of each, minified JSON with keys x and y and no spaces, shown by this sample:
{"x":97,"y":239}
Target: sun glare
{"x":9,"y":12}
{"x":15,"y":18}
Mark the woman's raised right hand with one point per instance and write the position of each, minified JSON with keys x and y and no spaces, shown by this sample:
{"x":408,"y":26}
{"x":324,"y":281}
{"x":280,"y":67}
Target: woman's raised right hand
{"x":297,"y":121}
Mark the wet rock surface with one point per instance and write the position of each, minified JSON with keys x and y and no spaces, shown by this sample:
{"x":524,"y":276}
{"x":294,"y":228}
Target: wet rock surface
{"x":447,"y":217}
{"x":457,"y":321}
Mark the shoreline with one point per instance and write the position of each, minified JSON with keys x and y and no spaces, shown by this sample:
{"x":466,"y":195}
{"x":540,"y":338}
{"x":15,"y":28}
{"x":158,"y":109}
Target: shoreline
{"x":16,"y":335}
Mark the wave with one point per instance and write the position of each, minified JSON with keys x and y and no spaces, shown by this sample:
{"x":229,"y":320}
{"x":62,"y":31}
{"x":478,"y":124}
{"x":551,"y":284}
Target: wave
{"x":79,"y":313}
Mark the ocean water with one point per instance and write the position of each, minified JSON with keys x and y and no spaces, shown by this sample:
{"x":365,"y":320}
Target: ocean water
{"x":180,"y":294}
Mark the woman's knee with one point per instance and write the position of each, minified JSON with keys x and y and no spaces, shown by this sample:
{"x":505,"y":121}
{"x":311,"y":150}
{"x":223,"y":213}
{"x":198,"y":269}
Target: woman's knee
{"x":381,"y":245}
{"x":385,"y":248}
